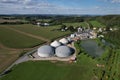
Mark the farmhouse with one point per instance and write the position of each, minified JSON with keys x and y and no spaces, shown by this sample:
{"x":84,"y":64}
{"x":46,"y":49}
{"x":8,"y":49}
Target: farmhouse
{"x":42,"y":24}
{"x":46,"y":24}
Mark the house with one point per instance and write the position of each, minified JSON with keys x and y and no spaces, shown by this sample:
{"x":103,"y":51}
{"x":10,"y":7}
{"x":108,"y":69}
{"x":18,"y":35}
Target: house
{"x":46,"y":24}
{"x":38,"y":23}
{"x":100,"y":30}
{"x":80,"y":30}
{"x":72,"y":35}
{"x":42,"y":24}
{"x":111,"y":29}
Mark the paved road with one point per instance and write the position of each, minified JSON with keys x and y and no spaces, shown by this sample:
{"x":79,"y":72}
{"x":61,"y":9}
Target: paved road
{"x":24,"y":58}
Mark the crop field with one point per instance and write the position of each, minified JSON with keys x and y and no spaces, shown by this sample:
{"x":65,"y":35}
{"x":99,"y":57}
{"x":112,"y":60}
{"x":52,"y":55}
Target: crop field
{"x":97,"y":24}
{"x":45,"y":70}
{"x":49,"y":32}
{"x":13,"y":39}
{"x":7,"y":57}
{"x":76,"y":24}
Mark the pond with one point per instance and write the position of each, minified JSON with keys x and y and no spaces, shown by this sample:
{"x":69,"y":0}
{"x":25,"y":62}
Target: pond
{"x":92,"y":48}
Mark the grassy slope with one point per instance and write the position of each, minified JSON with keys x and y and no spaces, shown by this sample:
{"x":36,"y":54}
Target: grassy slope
{"x":44,"y":70}
{"x":13,"y":39}
{"x":46,"y":32}
{"x":97,"y":24}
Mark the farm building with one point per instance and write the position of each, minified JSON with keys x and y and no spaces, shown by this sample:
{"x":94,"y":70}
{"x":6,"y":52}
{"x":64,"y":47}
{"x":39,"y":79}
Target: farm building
{"x":63,"y":51}
{"x":55,"y":44}
{"x":46,"y":24}
{"x":45,"y":51}
{"x":38,"y":23}
{"x":64,"y":41}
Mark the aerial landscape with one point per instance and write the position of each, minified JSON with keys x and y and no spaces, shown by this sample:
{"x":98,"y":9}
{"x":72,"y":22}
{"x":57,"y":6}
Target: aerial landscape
{"x":59,"y":40}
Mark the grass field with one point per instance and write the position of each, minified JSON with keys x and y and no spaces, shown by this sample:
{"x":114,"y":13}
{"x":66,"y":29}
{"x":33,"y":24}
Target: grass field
{"x":7,"y":57}
{"x":97,"y":24}
{"x":13,"y":39}
{"x":46,"y":32}
{"x":45,"y":70}
{"x":16,"y":20}
{"x":118,"y":65}
{"x":76,"y":24}
{"x":44,"y":20}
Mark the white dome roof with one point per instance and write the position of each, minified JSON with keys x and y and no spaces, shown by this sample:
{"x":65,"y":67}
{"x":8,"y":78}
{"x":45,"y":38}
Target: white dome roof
{"x":63,"y":41}
{"x":63,"y":51}
{"x":45,"y":51}
{"x":55,"y":44}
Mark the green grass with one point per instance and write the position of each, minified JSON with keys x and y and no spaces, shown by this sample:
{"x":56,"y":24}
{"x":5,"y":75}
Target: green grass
{"x":7,"y":57}
{"x":45,"y":70}
{"x":44,"y":20}
{"x":97,"y":24}
{"x":117,"y":67}
{"x":76,"y":24}
{"x":13,"y":39}
{"x":45,"y":32}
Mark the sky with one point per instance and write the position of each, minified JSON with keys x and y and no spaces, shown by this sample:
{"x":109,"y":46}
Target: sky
{"x":94,"y":7}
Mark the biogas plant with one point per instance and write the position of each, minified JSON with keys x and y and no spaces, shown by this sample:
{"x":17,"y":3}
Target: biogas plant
{"x":62,"y":50}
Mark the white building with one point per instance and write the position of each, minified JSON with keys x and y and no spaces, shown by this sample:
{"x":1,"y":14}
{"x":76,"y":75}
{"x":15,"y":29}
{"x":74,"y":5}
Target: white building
{"x":79,"y":29}
{"x":55,"y":44}
{"x":64,"y":41}
{"x":38,"y":23}
{"x":100,"y":30}
{"x":46,"y":24}
{"x":72,"y":35}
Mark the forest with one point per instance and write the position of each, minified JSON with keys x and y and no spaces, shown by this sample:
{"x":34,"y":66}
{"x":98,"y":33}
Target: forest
{"x":109,"y":20}
{"x":113,"y":37}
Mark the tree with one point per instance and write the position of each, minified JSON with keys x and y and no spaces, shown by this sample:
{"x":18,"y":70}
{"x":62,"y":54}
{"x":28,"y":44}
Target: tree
{"x":71,"y":28}
{"x":63,"y":26}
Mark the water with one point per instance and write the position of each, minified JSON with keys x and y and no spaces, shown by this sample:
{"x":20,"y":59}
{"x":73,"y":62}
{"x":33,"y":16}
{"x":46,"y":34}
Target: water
{"x":92,"y":48}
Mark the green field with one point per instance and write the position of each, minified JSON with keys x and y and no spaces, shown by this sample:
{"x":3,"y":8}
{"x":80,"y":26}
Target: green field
{"x":13,"y":39}
{"x":118,"y":64}
{"x":96,"y":24}
{"x":76,"y":24}
{"x":44,"y":20}
{"x":7,"y":57}
{"x":45,"y":70}
{"x":46,"y":32}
